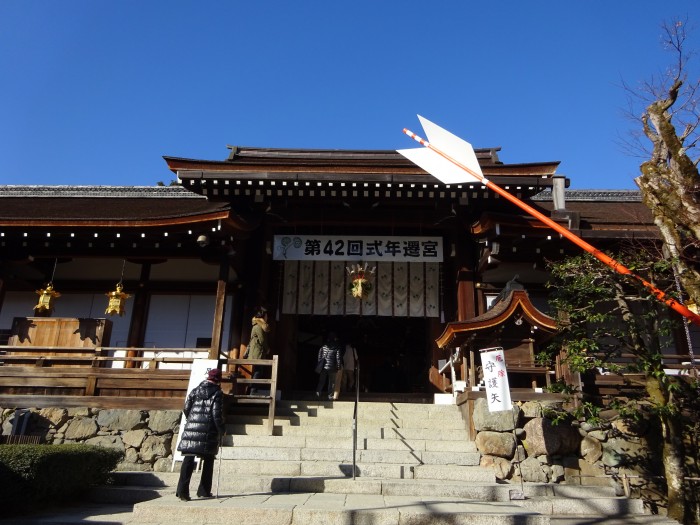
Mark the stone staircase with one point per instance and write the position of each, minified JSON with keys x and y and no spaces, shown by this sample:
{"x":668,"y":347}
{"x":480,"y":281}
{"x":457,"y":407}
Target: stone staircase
{"x":414,"y":465}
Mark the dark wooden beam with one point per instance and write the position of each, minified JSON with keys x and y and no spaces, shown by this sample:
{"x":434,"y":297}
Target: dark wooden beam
{"x":137,"y":328}
{"x":219,"y":309}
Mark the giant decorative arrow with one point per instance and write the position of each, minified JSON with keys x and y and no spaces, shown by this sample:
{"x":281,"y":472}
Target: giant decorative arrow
{"x":453,"y":161}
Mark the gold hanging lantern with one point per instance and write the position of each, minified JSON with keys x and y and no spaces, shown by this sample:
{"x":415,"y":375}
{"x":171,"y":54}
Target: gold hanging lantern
{"x":360,"y":285}
{"x":117,"y":301}
{"x":46,"y":297}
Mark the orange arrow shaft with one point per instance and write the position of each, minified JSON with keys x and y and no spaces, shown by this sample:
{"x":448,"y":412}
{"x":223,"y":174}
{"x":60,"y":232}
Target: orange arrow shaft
{"x":578,"y":241}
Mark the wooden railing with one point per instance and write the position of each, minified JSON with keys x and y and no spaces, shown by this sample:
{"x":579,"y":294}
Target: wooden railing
{"x":608,"y":384}
{"x":47,"y":356}
{"x":461,"y":371}
{"x":44,"y":376}
{"x":71,"y":377}
{"x":240,"y":372}
{"x":57,"y":386}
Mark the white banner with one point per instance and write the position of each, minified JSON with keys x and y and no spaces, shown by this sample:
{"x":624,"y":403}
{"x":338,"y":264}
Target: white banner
{"x":357,"y":248}
{"x":493,"y":363}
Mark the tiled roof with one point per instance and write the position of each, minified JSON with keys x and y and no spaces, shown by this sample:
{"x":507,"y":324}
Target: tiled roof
{"x":138,"y":192}
{"x":102,"y":203}
{"x":593,"y":195}
{"x":362,"y":165}
{"x":622,"y":208}
{"x":457,"y":332}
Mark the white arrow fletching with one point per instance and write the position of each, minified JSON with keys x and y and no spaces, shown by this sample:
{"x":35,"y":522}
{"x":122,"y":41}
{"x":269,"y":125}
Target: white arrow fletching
{"x":438,"y":166}
{"x":451,"y":145}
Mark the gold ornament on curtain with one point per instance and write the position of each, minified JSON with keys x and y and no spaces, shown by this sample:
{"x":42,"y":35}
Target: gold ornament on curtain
{"x":360,"y":285}
{"x":117,"y":298}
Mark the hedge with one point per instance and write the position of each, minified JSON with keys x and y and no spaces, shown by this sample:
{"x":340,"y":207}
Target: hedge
{"x":39,"y":475}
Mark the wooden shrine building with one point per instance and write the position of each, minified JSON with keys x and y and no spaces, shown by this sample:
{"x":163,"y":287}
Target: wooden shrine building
{"x":289,"y":229}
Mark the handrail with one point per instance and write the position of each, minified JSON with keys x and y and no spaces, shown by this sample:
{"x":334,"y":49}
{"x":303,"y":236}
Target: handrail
{"x":355,"y":414}
{"x":454,"y":358}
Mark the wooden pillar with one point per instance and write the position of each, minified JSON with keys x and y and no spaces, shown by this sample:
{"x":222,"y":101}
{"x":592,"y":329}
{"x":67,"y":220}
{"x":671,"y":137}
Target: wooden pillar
{"x":2,"y":293}
{"x":256,"y":277}
{"x":219,"y":309}
{"x":465,"y":295}
{"x":137,"y":329}
{"x":245,"y":300}
{"x":237,"y":324}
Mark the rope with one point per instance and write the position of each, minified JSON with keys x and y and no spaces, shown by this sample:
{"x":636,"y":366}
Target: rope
{"x":685,"y":324}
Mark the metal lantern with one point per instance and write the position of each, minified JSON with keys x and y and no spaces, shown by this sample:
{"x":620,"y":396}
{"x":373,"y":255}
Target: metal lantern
{"x":46,"y":297}
{"x":117,"y":301}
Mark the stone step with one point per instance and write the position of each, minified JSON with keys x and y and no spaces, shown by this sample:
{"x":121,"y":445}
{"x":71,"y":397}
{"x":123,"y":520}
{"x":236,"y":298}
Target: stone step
{"x":127,"y":494}
{"x":487,"y":491}
{"x":337,"y":420}
{"x":635,"y":519}
{"x":545,"y":499}
{"x":391,"y":442}
{"x":482,"y":491}
{"x":611,"y":506}
{"x":345,"y":455}
{"x":436,"y":417}
{"x":349,"y":406}
{"x":324,"y":509}
{"x":452,"y":473}
{"x":363,"y":431}
{"x":414,"y":465}
{"x":165,"y":481}
{"x":394,"y":471}
{"x":428,"y":445}
{"x":334,"y":469}
{"x":145,"y":479}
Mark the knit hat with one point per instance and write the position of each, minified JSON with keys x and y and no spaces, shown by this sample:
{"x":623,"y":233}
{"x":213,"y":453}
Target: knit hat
{"x":214,"y":375}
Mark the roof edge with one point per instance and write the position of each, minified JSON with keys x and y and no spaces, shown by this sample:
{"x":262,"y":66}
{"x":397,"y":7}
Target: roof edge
{"x":67,"y":191}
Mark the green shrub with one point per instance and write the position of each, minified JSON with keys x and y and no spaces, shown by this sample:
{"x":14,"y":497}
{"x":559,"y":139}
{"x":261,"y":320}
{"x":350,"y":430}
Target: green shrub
{"x":39,"y":475}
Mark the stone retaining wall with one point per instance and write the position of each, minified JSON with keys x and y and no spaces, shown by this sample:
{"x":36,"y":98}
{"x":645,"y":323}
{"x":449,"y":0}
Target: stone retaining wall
{"x":525,"y":443}
{"x":147,"y":438}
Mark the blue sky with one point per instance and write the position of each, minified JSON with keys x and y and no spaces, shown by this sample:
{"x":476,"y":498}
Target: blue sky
{"x":96,"y":92}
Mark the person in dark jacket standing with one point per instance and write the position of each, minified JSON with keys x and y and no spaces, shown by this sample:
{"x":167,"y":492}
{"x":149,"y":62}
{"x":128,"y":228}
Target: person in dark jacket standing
{"x":205,"y":424}
{"x":330,"y":361}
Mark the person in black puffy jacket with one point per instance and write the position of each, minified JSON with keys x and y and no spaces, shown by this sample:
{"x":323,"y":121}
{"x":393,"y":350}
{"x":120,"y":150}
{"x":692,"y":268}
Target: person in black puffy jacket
{"x":205,"y":423}
{"x":331,"y":355}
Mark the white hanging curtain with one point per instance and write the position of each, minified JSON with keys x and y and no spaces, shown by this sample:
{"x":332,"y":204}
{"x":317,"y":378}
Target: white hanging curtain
{"x":399,"y":289}
{"x":338,"y":292}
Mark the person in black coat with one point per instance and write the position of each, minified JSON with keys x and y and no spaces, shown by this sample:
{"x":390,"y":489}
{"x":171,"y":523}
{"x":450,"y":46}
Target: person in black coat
{"x":205,"y":424}
{"x":330,"y":360}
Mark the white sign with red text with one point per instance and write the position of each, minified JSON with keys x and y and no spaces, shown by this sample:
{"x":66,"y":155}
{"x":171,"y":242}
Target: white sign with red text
{"x":493,"y":363}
